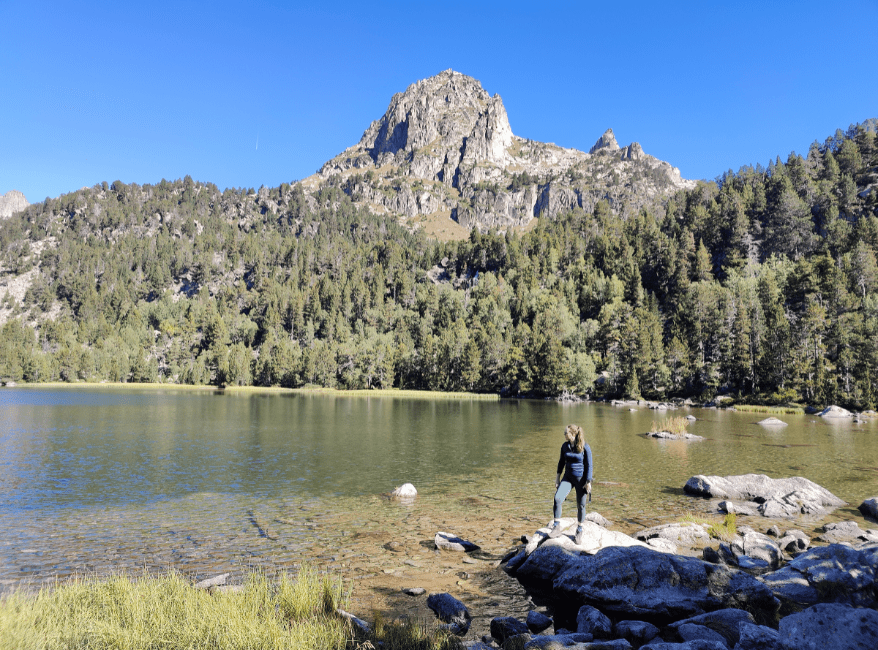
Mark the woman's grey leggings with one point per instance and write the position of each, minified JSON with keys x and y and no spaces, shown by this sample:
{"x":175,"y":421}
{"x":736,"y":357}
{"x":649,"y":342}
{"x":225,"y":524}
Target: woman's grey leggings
{"x":581,"y":498}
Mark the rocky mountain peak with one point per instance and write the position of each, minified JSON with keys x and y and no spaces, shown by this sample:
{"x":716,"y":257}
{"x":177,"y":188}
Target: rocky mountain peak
{"x":11,"y":202}
{"x":434,"y":126}
{"x":606,"y":141}
{"x":444,"y":148}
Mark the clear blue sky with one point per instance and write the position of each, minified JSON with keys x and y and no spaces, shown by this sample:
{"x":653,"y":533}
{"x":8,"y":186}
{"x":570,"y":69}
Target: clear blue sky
{"x":103,"y":91}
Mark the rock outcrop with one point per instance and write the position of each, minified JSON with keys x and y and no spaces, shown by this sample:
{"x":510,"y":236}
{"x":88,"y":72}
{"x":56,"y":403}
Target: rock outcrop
{"x":11,"y":202}
{"x":840,"y":627}
{"x":779,"y":498}
{"x":445,"y":147}
{"x":834,"y":573}
{"x":641,"y":583}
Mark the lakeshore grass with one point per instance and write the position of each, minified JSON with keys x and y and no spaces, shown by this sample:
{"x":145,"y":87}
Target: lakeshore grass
{"x":771,"y":410}
{"x":145,"y":612}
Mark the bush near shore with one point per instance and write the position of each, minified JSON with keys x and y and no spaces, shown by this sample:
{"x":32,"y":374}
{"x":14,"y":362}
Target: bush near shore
{"x":125,"y":613}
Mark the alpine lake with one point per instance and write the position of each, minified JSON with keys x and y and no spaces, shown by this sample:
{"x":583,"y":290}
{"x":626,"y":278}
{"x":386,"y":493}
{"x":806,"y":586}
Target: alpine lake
{"x":101,"y":480}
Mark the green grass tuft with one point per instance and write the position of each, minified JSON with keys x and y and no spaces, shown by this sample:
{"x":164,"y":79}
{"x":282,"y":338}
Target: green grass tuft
{"x":675,"y":425}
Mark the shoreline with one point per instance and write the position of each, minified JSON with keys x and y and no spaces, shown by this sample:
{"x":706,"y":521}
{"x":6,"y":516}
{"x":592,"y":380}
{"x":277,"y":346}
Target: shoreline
{"x":364,"y":392}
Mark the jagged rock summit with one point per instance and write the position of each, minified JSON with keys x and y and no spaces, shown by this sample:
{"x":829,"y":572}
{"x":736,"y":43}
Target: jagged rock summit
{"x":11,"y":202}
{"x":445,"y":149}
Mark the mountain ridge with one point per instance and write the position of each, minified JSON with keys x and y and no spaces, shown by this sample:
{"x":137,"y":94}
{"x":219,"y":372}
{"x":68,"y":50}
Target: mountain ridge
{"x":445,"y":148}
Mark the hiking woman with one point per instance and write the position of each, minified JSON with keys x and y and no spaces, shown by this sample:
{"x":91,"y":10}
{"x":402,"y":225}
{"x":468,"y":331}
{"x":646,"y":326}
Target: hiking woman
{"x":574,"y":472}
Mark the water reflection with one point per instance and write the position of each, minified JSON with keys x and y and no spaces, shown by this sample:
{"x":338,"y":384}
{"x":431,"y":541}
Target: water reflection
{"x":104,"y":479}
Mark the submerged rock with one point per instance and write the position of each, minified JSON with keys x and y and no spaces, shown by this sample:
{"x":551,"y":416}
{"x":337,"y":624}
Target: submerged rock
{"x":846,"y":531}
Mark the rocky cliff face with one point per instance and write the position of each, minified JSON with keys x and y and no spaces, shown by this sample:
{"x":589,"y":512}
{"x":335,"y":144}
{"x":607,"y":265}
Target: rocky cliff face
{"x":11,"y":202}
{"x":444,"y":148}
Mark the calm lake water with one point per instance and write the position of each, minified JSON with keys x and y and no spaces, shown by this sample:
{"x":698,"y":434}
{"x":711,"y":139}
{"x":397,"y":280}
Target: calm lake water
{"x":99,"y":480}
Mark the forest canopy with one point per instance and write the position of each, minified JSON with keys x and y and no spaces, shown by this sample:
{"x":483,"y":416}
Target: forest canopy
{"x":762,"y":284}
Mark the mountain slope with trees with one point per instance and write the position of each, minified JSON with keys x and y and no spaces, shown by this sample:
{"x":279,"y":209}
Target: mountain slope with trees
{"x":762,"y":284}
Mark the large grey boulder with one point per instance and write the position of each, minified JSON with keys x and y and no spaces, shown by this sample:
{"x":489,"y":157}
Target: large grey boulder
{"x":724,"y":623}
{"x":869,"y":508}
{"x":829,"y":625}
{"x":834,"y":573}
{"x":835,"y":412}
{"x":777,"y":498}
{"x":450,"y":611}
{"x":641,"y":583}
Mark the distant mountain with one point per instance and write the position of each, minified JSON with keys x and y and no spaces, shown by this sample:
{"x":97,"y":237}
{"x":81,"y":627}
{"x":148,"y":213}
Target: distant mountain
{"x":11,"y":202}
{"x":445,"y":149}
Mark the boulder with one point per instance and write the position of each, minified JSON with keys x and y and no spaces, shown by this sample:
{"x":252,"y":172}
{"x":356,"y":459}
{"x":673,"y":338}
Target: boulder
{"x":449,"y":542}
{"x":778,"y":498}
{"x":686,"y":533}
{"x":591,"y":621}
{"x":724,"y":623}
{"x":753,"y":565}
{"x":834,"y":412}
{"x":846,"y":531}
{"x":772,"y":422}
{"x":538,"y":622}
{"x":504,"y":627}
{"x":755,"y":637}
{"x":404,"y":491}
{"x":869,"y":508}
{"x":762,"y":547}
{"x":597,"y":518}
{"x":638,"y":582}
{"x":730,"y":507}
{"x":829,"y":625}
{"x":594,"y":538}
{"x":636,"y":632}
{"x":834,"y":573}
{"x":450,"y":611}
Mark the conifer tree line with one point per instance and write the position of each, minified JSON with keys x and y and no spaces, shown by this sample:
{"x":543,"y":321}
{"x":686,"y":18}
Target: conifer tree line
{"x":762,"y":284}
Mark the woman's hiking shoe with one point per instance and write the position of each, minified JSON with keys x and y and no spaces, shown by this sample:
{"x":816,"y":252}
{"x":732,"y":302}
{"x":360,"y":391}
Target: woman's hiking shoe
{"x":578,"y":537}
{"x":555,"y":529}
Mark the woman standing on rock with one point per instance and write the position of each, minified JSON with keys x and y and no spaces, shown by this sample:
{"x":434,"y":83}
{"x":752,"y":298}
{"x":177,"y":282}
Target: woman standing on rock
{"x":574,"y":471}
